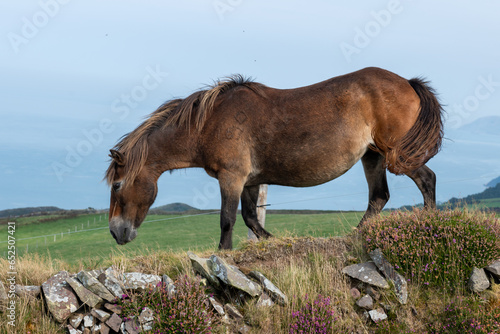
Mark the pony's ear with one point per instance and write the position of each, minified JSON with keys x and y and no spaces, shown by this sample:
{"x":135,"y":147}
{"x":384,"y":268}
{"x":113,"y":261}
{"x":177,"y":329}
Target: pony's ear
{"x":118,"y":157}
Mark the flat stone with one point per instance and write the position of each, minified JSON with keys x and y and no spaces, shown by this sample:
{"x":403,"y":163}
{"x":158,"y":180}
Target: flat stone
{"x":217,"y":306}
{"x":200,"y":266}
{"x":60,"y":298}
{"x":233,"y":312}
{"x":88,"y":321}
{"x":113,"y":308}
{"x":355,"y":293}
{"x":100,"y":315}
{"x":75,"y":319}
{"x":114,"y":322}
{"x":146,"y":316}
{"x":28,"y":291}
{"x":109,"y":279}
{"x":131,"y":326}
{"x":264,"y":301}
{"x":400,"y":284}
{"x":72,"y":330}
{"x":478,"y":280}
{"x":105,"y":329}
{"x":85,"y":295}
{"x":233,"y":277}
{"x":271,"y":289}
{"x":139,"y":281}
{"x":494,"y":269}
{"x":377,"y":315}
{"x":95,"y":286}
{"x":366,"y":272}
{"x":365,"y":302}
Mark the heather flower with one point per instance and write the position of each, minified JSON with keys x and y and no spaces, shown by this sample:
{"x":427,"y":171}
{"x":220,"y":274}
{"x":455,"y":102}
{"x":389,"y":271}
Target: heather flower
{"x":317,"y":316}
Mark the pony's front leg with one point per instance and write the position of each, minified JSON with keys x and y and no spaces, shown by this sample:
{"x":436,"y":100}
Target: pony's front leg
{"x":231,"y":188}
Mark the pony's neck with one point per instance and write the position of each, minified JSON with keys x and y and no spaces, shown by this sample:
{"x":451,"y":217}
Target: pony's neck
{"x":173,"y":148}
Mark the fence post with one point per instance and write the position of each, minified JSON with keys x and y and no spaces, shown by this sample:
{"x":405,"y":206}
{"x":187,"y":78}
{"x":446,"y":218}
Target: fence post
{"x":261,"y":210}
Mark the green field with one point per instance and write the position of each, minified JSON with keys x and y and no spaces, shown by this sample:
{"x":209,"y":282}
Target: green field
{"x":93,"y":242}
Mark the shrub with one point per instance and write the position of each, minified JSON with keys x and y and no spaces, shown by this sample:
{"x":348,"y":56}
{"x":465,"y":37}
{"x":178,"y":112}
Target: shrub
{"x":317,"y":316}
{"x":435,"y":247}
{"x":186,"y":311}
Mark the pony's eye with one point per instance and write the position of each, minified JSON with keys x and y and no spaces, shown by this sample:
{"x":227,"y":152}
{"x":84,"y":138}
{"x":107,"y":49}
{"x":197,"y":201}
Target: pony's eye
{"x":116,"y":186}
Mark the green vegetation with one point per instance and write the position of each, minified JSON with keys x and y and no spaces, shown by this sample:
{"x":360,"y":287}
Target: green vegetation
{"x":92,"y":241}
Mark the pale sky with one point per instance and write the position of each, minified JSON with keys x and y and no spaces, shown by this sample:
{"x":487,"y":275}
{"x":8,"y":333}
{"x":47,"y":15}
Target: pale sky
{"x":77,"y":75}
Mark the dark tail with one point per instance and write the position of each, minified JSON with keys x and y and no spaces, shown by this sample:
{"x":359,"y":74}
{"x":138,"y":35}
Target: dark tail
{"x":423,"y":141}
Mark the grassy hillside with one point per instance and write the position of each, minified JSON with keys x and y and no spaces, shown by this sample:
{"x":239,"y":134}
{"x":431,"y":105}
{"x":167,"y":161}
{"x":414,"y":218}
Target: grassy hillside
{"x":86,"y":238}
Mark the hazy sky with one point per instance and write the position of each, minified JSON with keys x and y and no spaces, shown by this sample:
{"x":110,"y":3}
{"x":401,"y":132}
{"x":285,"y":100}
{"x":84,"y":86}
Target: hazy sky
{"x":77,"y":75}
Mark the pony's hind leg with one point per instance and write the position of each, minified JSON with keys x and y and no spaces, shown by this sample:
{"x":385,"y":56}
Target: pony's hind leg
{"x":425,"y":179}
{"x":373,"y":165}
{"x":249,"y":199}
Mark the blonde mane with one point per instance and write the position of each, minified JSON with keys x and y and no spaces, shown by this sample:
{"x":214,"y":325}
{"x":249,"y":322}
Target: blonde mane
{"x":191,"y":112}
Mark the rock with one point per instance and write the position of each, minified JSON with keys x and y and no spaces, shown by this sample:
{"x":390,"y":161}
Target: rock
{"x":264,"y":301}
{"x":88,"y":321}
{"x":28,"y":291}
{"x":95,"y":286}
{"x":372,"y":292}
{"x":96,"y":329}
{"x":75,"y":319}
{"x":233,"y":312}
{"x":4,"y":297}
{"x":365,"y":302}
{"x":400,"y":284}
{"x":105,"y":329}
{"x":146,"y":316}
{"x":72,"y":330}
{"x":100,"y":315}
{"x":494,"y":269}
{"x":355,"y":293}
{"x":61,"y":301}
{"x":86,"y":331}
{"x":377,"y":315}
{"x":275,"y":293}
{"x":131,"y":326}
{"x":85,"y":295}
{"x":217,"y":306}
{"x":148,"y":326}
{"x":113,"y":308}
{"x":95,"y":273}
{"x":166,"y":280}
{"x":233,"y":277}
{"x":366,"y":272}
{"x":478,"y":280}
{"x":109,"y":279}
{"x":244,"y":329}
{"x":114,"y":322}
{"x":201,"y":267}
{"x":139,"y":281}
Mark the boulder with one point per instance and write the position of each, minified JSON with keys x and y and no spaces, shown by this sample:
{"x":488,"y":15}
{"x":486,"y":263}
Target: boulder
{"x":85,"y":295}
{"x":233,"y":277}
{"x":478,"y":280}
{"x":28,"y":291}
{"x":400,"y":284}
{"x":366,"y":272}
{"x":139,"y":281}
{"x":377,"y":315}
{"x":60,"y":298}
{"x":200,"y":266}
{"x":494,"y":269}
{"x":275,"y":293}
{"x":365,"y":302}
{"x":109,"y":279}
{"x":92,"y":284}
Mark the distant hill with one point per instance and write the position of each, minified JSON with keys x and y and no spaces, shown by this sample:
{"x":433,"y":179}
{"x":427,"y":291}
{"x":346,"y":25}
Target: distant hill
{"x":493,"y":182}
{"x":173,"y":208}
{"x":489,"y":125}
{"x":29,"y":211}
{"x":492,"y":192}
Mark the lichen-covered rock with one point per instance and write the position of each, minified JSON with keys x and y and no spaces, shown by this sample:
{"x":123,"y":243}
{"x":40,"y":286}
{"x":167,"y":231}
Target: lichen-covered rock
{"x":377,"y":315}
{"x":400,"y":284}
{"x":28,"y":291}
{"x":75,"y":319}
{"x":217,"y":306}
{"x":109,"y":278}
{"x":366,"y":272}
{"x":139,"y":281}
{"x":91,"y":283}
{"x":72,"y":330}
{"x":100,"y":315}
{"x":60,"y":298}
{"x":85,"y":295}
{"x":146,"y":316}
{"x":233,"y":277}
{"x":88,"y":321}
{"x":201,"y":267}
{"x":478,"y":280}
{"x":271,"y":289}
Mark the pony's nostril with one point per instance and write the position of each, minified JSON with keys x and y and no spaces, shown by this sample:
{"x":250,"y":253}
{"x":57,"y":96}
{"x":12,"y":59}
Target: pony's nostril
{"x":114,"y":235}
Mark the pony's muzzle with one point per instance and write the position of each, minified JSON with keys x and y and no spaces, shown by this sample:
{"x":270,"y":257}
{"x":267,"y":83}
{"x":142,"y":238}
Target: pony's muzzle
{"x":122,"y":232}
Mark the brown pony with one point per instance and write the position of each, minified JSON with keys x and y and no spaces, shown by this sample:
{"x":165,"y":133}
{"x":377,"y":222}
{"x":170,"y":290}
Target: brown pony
{"x":245,"y":134}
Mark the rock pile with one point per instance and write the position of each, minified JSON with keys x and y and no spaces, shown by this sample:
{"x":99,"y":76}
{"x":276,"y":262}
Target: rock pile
{"x":87,"y":302}
{"x":479,"y":280}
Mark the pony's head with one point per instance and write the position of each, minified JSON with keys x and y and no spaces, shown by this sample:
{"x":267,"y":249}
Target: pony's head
{"x":131,"y":197}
